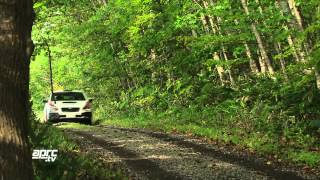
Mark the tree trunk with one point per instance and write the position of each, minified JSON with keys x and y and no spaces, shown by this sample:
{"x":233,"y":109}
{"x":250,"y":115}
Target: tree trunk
{"x":216,"y":31}
{"x":263,"y":66}
{"x":284,"y":9}
{"x":317,"y":73}
{"x":252,"y":62}
{"x":205,"y":24}
{"x":224,"y":52}
{"x":295,"y":54}
{"x":16,"y":17}
{"x":103,"y":2}
{"x":261,"y":46}
{"x":316,"y":69}
{"x":282,"y":62}
{"x":220,"y":69}
{"x":215,"y":55}
{"x":295,"y":12}
{"x":299,"y":24}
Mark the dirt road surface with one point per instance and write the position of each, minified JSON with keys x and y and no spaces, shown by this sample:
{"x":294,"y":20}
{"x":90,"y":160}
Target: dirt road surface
{"x":145,"y":154}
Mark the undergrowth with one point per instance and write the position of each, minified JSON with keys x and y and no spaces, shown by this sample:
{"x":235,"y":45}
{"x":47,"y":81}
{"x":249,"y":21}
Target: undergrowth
{"x":70,"y":163}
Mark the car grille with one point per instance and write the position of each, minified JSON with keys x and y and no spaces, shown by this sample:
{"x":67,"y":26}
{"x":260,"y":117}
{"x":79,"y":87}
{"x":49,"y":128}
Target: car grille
{"x":70,"y":109}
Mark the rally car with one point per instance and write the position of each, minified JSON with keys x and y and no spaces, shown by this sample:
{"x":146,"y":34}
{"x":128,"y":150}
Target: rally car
{"x":67,"y":105}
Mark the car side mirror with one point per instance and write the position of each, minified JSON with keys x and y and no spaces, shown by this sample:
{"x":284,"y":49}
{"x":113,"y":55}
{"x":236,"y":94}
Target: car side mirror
{"x":90,"y":100}
{"x":45,"y":101}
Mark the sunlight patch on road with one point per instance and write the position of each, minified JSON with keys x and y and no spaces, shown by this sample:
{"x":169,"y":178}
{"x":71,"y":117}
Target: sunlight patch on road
{"x":155,"y":146}
{"x":222,"y":164}
{"x":161,"y":157}
{"x":124,"y":141}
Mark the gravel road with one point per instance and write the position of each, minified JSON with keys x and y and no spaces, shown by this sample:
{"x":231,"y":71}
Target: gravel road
{"x":153,"y":155}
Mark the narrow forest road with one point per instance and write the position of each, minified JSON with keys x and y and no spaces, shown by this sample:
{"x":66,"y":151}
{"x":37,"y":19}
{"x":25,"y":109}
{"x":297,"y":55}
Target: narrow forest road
{"x":153,"y":155}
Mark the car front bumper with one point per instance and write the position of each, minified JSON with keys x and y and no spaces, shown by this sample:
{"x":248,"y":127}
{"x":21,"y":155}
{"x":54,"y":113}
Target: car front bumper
{"x":60,"y":116}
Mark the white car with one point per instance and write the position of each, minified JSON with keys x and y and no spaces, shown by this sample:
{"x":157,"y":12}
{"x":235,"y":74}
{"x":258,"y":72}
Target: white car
{"x":64,"y":105}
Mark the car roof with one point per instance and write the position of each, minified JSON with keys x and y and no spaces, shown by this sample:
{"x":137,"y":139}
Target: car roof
{"x":60,"y":91}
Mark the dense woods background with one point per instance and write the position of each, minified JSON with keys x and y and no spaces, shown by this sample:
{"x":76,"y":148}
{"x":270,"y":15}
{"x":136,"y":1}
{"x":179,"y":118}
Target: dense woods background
{"x":243,"y":72}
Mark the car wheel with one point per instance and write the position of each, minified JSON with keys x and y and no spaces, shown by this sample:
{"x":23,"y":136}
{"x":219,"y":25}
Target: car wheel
{"x":50,"y":121}
{"x":88,"y":121}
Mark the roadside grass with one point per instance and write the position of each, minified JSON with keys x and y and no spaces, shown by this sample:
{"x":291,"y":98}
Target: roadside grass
{"x":270,"y":136}
{"x":70,"y":163}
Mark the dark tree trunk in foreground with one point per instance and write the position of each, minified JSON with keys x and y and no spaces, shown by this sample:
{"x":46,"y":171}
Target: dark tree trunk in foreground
{"x":16,"y":18}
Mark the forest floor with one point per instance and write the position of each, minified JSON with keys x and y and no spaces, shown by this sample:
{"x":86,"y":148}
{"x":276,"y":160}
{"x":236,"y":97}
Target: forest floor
{"x":144,"y":154}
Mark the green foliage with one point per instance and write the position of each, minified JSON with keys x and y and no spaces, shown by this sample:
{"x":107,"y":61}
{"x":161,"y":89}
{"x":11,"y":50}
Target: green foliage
{"x":311,"y":158}
{"x":157,"y":62}
{"x":124,"y":48}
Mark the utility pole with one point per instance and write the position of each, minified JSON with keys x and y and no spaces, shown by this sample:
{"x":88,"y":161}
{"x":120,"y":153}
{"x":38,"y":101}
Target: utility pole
{"x":50,"y":65}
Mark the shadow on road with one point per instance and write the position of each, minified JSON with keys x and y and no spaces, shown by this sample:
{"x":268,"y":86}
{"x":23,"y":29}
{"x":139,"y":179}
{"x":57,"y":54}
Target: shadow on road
{"x":150,"y":169}
{"x":241,"y":160}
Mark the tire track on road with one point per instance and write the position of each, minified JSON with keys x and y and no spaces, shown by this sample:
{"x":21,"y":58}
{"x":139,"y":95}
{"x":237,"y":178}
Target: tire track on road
{"x":156,"y":155}
{"x":250,"y":163}
{"x":142,"y":166}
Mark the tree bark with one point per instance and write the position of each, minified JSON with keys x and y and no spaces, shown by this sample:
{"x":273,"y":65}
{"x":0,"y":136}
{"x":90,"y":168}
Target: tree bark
{"x":216,"y":31}
{"x":299,"y":25}
{"x":263,"y":66}
{"x":103,"y":2}
{"x":299,"y":21}
{"x":215,"y":55}
{"x":16,"y":17}
{"x":224,"y":52}
{"x":295,"y":12}
{"x":282,"y":62}
{"x":317,"y":73}
{"x":284,"y":9}
{"x":252,"y":62}
{"x":205,"y":24}
{"x":261,"y":46}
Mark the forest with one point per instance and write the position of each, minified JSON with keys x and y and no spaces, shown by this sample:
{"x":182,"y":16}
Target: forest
{"x":240,"y":72}
{"x":244,"y":73}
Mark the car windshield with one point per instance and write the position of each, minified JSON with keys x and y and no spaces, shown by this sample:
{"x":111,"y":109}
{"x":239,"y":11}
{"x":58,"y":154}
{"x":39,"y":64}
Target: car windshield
{"x":68,"y":96}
